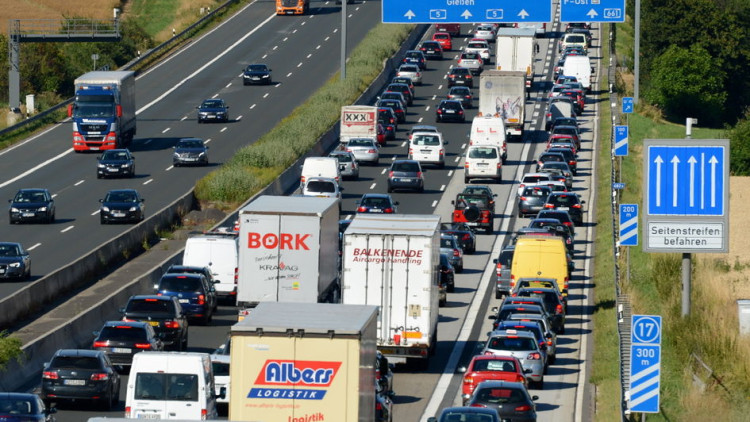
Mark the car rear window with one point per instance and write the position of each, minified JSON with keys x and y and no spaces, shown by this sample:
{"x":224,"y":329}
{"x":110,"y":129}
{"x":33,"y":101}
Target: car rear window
{"x":551,"y":157}
{"x":220,"y":368}
{"x":535,"y":179}
{"x":564,"y":200}
{"x":406,"y":167}
{"x":180,"y":284}
{"x":494,"y":365}
{"x":320,"y":186}
{"x":536,"y":191}
{"x":426,"y":140}
{"x":513,"y":344}
{"x":123,"y":333}
{"x":17,"y":407}
{"x":75,"y":362}
{"x":150,"y":306}
{"x":161,"y":386}
{"x":343,"y":158}
{"x":446,"y":242}
{"x":506,"y":258}
{"x":481,"y":152}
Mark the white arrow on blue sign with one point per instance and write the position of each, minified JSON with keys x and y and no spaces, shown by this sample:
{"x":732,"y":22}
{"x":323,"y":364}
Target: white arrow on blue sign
{"x":621,"y":141}
{"x":466,"y":11}
{"x":628,"y":225}
{"x":686,"y":180}
{"x":645,"y":363}
{"x":627,"y":105}
{"x":592,"y":11}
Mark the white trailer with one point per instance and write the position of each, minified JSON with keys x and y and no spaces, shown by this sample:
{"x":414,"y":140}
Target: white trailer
{"x":392,"y":261}
{"x":358,"y":122}
{"x":515,"y":51}
{"x":503,"y":94}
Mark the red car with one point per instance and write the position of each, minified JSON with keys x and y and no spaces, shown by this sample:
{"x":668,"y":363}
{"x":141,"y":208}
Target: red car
{"x":444,"y":39}
{"x":560,"y":138}
{"x":490,"y":368}
{"x":381,"y":134}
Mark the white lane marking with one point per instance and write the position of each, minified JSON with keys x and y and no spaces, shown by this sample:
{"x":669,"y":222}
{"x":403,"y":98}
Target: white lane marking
{"x":78,"y":182}
{"x":440,"y":86}
{"x":238,"y":117}
{"x":318,"y":47}
{"x":215,"y":95}
{"x":148,"y":181}
{"x":95,"y":212}
{"x":31,"y":248}
{"x":373,"y":186}
{"x":457,"y":159}
{"x":335,"y":30}
{"x":66,"y":229}
{"x":294,"y":32}
{"x":442,"y":188}
{"x":183,"y":118}
{"x":275,"y":47}
{"x":285,"y":38}
{"x":228,"y":85}
{"x":252,"y":106}
{"x":169,"y":168}
{"x":223,"y":129}
{"x":383,"y":172}
{"x":266,"y":94}
{"x":434,"y":203}
{"x":450,"y":173}
{"x":434,"y":97}
{"x":427,"y":108}
{"x":264,"y":56}
{"x":463,"y":146}
{"x":165,"y":130}
{"x":303,"y":22}
{"x":207,"y":141}
{"x":289,"y":74}
{"x":420,"y":120}
{"x":403,"y":144}
{"x":327,"y":38}
{"x":300,"y":64}
{"x":350,"y":15}
{"x":393,"y":158}
{"x":309,"y":55}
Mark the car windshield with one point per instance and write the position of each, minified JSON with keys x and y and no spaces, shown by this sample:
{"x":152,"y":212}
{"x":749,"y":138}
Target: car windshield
{"x":470,"y":56}
{"x":405,"y":167}
{"x":123,"y":333}
{"x":321,"y":186}
{"x":427,"y":140}
{"x":408,"y":68}
{"x":120,"y":197}
{"x":482,"y":152}
{"x":193,"y":143}
{"x":500,"y":395}
{"x":30,"y":197}
{"x":9,"y":250}
{"x":75,"y":362}
{"x":511,"y":343}
{"x":476,"y":191}
{"x":460,"y":90}
{"x":162,"y":386}
{"x":212,"y":104}
{"x":180,"y":284}
{"x":115,"y":155}
{"x":257,"y":68}
{"x":17,"y":406}
{"x":494,"y":365}
{"x":396,"y":105}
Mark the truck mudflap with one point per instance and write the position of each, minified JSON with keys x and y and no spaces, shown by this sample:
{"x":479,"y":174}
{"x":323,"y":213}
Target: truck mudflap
{"x":400,"y":354}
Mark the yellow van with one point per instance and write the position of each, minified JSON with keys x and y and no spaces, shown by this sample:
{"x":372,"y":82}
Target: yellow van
{"x":540,"y":257}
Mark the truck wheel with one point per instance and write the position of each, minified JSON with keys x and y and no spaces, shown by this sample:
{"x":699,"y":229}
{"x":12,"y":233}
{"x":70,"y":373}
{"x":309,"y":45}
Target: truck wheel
{"x":498,"y":294}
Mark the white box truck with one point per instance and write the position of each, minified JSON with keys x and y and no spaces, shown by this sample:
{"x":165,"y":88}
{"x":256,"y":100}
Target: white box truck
{"x":392,"y":261}
{"x":358,"y":122}
{"x":304,"y":362}
{"x":514,"y":51}
{"x":503,"y":94}
{"x":288,"y":250}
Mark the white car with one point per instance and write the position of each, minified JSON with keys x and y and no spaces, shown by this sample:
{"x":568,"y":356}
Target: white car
{"x":530,"y":179}
{"x":220,"y":364}
{"x":485,"y":32}
{"x":365,"y":150}
{"x":471,"y":61}
{"x":410,"y":71}
{"x":479,"y":46}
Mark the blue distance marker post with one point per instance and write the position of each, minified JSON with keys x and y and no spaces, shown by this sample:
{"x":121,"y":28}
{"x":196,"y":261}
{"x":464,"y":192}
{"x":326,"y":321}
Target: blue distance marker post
{"x":628,"y":231}
{"x":645,"y":363}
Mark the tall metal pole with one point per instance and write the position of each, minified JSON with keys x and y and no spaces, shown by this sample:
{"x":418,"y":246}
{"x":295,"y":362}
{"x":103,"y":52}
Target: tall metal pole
{"x":637,"y":52}
{"x":686,"y":257}
{"x":343,"y":39}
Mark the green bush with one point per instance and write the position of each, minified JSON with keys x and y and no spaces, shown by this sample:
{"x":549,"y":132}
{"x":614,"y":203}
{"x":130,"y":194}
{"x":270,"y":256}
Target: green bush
{"x":10,"y":348}
{"x":739,"y":143}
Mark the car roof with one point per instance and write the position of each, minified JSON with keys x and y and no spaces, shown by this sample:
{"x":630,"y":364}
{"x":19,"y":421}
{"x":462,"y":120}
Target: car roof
{"x":144,"y":297}
{"x":134,"y":324}
{"x":468,"y":409}
{"x":376,"y":195}
{"x":505,"y":333}
{"x":79,"y":352}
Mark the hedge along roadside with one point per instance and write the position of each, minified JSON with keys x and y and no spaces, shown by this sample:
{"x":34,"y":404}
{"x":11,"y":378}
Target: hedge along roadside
{"x":258,"y":164}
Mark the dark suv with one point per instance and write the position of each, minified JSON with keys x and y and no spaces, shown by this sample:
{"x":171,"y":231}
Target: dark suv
{"x":474,"y":210}
{"x":164,"y":313}
{"x":120,"y":340}
{"x":460,"y":76}
{"x":81,"y":374}
{"x":196,"y":294}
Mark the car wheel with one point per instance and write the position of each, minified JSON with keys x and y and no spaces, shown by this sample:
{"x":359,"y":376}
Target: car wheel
{"x":442,"y":302}
{"x":552,"y":359}
{"x":106,"y":403}
{"x":437,"y":119}
{"x":540,"y":384}
{"x":460,"y":268}
{"x":102,"y":220}
{"x":390,"y":189}
{"x":466,"y":180}
{"x":442,"y":165}
{"x":98,"y":176}
{"x":498,"y":294}
{"x":421,"y":189}
{"x":51,"y":219}
{"x":452,"y":287}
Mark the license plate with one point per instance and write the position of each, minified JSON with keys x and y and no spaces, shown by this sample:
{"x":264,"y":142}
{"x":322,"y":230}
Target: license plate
{"x":154,"y":323}
{"x":190,"y":159}
{"x":470,"y":223}
{"x":94,"y":148}
{"x":148,"y":416}
{"x":563,"y":208}
{"x":211,"y":117}
{"x":121,"y":350}
{"x":118,"y":214}
{"x":482,"y":164}
{"x":113,"y":170}
{"x":28,"y":214}
{"x":74,"y":382}
{"x":450,"y":111}
{"x":376,"y":210}
{"x":405,"y":180}
{"x":425,"y":151}
{"x":184,"y":300}
{"x":386,"y":351}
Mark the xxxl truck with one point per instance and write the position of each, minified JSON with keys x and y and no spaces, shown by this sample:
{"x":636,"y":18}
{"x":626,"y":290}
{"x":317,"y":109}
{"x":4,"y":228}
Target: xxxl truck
{"x":103,"y":111}
{"x":515,"y":51}
{"x":288,"y":250}
{"x":503,"y":94}
{"x":292,"y":7}
{"x":392,"y":261}
{"x":358,"y":122}
{"x":304,"y":362}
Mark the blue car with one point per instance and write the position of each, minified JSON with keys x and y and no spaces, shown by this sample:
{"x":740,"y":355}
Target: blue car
{"x":195,"y":293}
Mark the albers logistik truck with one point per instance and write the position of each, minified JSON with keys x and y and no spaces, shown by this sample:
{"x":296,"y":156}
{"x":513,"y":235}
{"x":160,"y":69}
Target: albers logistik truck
{"x":288,"y":251}
{"x":391,"y":261}
{"x":103,"y":110}
{"x":304,"y":362}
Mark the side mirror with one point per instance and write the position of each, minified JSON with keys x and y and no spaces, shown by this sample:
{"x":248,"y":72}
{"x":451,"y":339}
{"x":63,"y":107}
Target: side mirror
{"x":535,"y":398}
{"x":101,"y":200}
{"x":527,"y":371}
{"x":222,"y":392}
{"x":461,"y":370}
{"x":122,"y":310}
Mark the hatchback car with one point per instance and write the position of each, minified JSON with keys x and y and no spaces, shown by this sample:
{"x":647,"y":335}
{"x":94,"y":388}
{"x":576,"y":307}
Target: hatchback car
{"x":463,"y":233}
{"x":121,"y":205}
{"x":406,"y":174}
{"x":81,"y":374}
{"x":120,"y":340}
{"x":541,"y":332}
{"x":563,"y":121}
{"x":471,"y":61}
{"x":506,"y":310}
{"x":410,"y":71}
{"x":449,"y":245}
{"x":256,"y":74}
{"x":571,"y":130}
{"x":115,"y":163}
{"x":460,"y":76}
{"x":25,"y":407}
{"x":447,"y":273}
{"x":32,"y":205}
{"x":415,"y":57}
{"x":365,"y":150}
{"x":444,"y":39}
{"x":532,"y":200}
{"x":511,"y":400}
{"x":563,"y":168}
{"x":477,"y":45}
{"x":194,"y":291}
{"x":379,"y":203}
{"x":164,"y":313}
{"x":404,"y":90}
{"x":396,"y":105}
{"x":530,"y":179}
{"x":348,"y":165}
{"x":213,"y":110}
{"x":570,"y":157}
{"x":404,"y":80}
{"x":490,"y":368}
{"x":190,"y":151}
{"x":485,"y":32}
{"x":523,"y":346}
{"x":15,"y":261}
{"x":463,"y":94}
{"x":569,"y":202}
{"x":432,"y":50}
{"x":450,"y":111}
{"x":483,"y":190}
{"x":458,"y":414}
{"x":553,"y":303}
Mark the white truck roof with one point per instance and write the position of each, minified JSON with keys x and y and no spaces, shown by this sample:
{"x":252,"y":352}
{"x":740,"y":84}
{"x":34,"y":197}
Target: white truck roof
{"x":301,"y":205}
{"x":398,"y":224}
{"x":312,"y":318}
{"x":515,"y":32}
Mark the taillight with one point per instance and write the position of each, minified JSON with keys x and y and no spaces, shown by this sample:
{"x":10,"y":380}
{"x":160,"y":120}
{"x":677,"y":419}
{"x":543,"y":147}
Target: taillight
{"x":237,"y":269}
{"x":361,"y":209}
{"x":388,"y":210}
{"x":456,"y":253}
{"x":100,"y":344}
{"x":565,"y":283}
{"x":549,"y":206}
{"x":577,"y":206}
{"x":524,"y":408}
{"x":99,"y":377}
{"x":439,"y":111}
{"x":378,"y":406}
{"x":549,"y":342}
{"x":467,"y":236}
{"x":442,"y":151}
{"x":127,"y":411}
{"x":469,"y":76}
{"x":469,"y":379}
{"x":171,"y":324}
{"x":568,"y":223}
{"x":478,"y":405}
{"x":204,"y":414}
{"x":142,"y":346}
{"x":460,"y":112}
{"x":201,"y":299}
{"x":523,"y":198}
{"x":466,"y":165}
{"x":534,"y":356}
{"x":419,"y":174}
{"x":390,"y":174}
{"x":371,"y":151}
{"x":50,"y":375}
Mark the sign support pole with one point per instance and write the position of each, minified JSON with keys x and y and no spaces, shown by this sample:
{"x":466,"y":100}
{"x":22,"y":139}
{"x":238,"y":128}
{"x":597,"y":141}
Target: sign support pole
{"x":686,"y":276}
{"x":343,"y":39}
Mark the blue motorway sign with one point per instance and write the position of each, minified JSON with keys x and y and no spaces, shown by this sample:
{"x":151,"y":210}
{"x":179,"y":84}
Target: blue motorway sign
{"x":627,"y":105}
{"x":686,"y":180}
{"x":466,"y":11}
{"x":618,"y":186}
{"x":621,"y":141}
{"x":645,"y":363}
{"x":592,"y":11}
{"x":628,"y":225}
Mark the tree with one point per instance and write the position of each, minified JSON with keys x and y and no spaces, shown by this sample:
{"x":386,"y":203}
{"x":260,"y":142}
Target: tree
{"x":739,"y":144}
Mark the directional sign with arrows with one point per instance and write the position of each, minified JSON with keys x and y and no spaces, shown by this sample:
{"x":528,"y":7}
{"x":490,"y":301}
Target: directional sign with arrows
{"x":592,"y":11}
{"x":466,"y":11}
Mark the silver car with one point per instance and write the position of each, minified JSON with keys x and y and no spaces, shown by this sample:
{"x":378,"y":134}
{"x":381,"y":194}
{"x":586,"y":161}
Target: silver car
{"x":563,"y":167}
{"x":485,"y":32}
{"x":365,"y":150}
{"x":450,"y":246}
{"x":549,"y":333}
{"x":471,"y":61}
{"x":348,"y":166}
{"x":410,"y":71}
{"x":523,"y":346}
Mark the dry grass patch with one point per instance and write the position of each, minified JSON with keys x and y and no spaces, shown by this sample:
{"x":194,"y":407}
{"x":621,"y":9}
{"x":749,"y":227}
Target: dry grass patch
{"x":56,"y":9}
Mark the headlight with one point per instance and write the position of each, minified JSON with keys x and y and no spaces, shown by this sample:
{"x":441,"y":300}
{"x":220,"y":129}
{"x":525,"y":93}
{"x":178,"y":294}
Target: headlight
{"x":202,"y":154}
{"x":126,"y":165}
{"x":133,"y":208}
{"x":176,"y":155}
{"x":42,"y":209}
{"x":105,"y":209}
{"x":14,"y":264}
{"x":101,"y":166}
{"x":13,"y":209}
{"x":265,"y":76}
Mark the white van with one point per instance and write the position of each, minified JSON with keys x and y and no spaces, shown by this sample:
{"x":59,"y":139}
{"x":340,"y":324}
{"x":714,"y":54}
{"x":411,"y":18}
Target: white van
{"x":489,"y":130}
{"x":483,"y":162}
{"x":171,"y":385}
{"x":219,"y":251}
{"x":428,"y":148}
{"x":580,"y":67}
{"x":320,"y":167}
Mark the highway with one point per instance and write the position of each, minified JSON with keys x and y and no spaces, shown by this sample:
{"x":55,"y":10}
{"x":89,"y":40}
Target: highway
{"x":463,"y":322}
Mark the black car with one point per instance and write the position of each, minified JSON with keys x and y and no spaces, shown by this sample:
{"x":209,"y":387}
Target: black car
{"x":397,"y":107}
{"x":563,"y":121}
{"x":463,"y":233}
{"x":511,"y":400}
{"x":567,"y":201}
{"x":405,"y":174}
{"x":560,"y":215}
{"x":256,"y":74}
{"x":190,"y":151}
{"x":460,"y":76}
{"x":196,"y":294}
{"x":115,"y":163}
{"x":164,"y":313}
{"x":571,"y":158}
{"x":189,"y":269}
{"x":549,"y":156}
{"x":415,"y":57}
{"x":483,"y":190}
{"x":387,"y":118}
{"x":81,"y":374}
{"x":450,"y":111}
{"x":504,"y":312}
{"x":32,"y":205}
{"x":553,"y":304}
{"x":404,"y":90}
{"x":447,"y":273}
{"x":121,"y":205}
{"x":377,"y":203}
{"x":463,"y":94}
{"x":532,"y":200}
{"x":213,"y":110}
{"x":120,"y":340}
{"x":15,"y":261}
{"x":403,"y":80}
{"x":25,"y":407}
{"x":431,"y":50}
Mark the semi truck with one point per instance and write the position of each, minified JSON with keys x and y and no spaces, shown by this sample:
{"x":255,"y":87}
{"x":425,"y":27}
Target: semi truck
{"x":288,"y":251}
{"x":292,"y":7}
{"x":503,"y":94}
{"x":515,"y":51}
{"x":103,"y":110}
{"x":392,"y":261}
{"x":304,"y":362}
{"x":358,"y":122}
